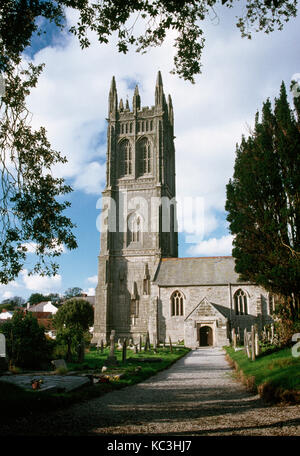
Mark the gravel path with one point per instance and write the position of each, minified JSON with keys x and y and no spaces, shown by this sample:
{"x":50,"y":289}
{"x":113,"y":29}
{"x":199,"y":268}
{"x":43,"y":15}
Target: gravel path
{"x":196,"y":396}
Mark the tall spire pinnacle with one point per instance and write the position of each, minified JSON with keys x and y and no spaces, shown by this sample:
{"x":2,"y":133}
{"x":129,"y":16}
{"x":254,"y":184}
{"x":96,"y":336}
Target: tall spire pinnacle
{"x":170,"y":111}
{"x":159,"y":91}
{"x":159,"y":79}
{"x":136,"y":102}
{"x":113,"y":98}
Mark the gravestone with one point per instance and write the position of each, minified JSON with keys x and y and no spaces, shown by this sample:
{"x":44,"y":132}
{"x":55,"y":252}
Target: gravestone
{"x":171,"y":346}
{"x":59,"y":363}
{"x":112,"y":359}
{"x":233,"y":337}
{"x":2,"y":346}
{"x":124,"y":351}
{"x":257,"y":348}
{"x":253,"y":342}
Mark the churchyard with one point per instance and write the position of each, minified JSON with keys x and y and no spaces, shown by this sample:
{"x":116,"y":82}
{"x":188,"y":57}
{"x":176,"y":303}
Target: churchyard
{"x":103,"y":369}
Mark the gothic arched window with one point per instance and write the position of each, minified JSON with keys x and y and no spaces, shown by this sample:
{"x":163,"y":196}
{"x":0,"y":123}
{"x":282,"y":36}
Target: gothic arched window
{"x":144,"y":156}
{"x":176,"y":304}
{"x":240,"y":303}
{"x":125,"y":155}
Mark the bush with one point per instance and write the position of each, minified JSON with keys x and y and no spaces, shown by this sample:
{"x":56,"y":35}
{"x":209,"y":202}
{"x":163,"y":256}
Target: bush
{"x":26,"y":343}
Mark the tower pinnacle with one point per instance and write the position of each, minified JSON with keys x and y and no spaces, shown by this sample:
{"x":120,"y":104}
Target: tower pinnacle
{"x":136,"y":102}
{"x":159,"y":91}
{"x":113,"y":98}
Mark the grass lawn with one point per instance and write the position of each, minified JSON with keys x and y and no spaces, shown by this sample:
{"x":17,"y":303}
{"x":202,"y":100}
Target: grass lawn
{"x":15,"y":401}
{"x":275,"y":376}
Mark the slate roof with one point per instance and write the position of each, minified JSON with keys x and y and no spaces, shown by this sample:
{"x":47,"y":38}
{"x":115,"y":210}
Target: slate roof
{"x":196,"y":271}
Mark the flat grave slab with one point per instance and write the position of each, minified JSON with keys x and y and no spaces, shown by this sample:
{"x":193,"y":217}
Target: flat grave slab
{"x":50,"y":382}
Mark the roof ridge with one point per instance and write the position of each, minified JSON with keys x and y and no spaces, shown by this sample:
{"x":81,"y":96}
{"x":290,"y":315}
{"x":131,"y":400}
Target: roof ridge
{"x":196,"y":258}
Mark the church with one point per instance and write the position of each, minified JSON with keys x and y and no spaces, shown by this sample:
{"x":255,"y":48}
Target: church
{"x":143,"y":287}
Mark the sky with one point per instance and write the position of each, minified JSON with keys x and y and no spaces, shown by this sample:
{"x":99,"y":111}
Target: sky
{"x":210,"y":117}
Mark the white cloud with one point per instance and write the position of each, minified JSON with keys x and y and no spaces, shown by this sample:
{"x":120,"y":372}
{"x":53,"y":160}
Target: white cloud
{"x":7,"y":294}
{"x":90,"y":291}
{"x":93,"y":279}
{"x":32,"y":247}
{"x":210,"y":116}
{"x":41,"y":284}
{"x":91,"y":178}
{"x":213,"y":247}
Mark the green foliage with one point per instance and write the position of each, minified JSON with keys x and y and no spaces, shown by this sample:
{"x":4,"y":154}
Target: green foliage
{"x":36,"y":298}
{"x":26,"y":343}
{"x":31,"y":216}
{"x":263,"y":203}
{"x":11,"y":303}
{"x":72,"y":321}
{"x":18,"y":21}
{"x":73,"y":292}
{"x":279,"y":371}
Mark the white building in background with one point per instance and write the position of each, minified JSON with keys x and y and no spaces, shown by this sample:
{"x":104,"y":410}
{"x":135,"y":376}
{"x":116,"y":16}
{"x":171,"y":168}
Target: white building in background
{"x":45,"y":306}
{"x":5,"y":315}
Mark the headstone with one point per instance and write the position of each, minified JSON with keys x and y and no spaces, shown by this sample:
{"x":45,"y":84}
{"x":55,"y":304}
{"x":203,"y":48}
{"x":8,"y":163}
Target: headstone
{"x":59,"y":363}
{"x":233,"y":337}
{"x":171,"y":347}
{"x":272,"y":334}
{"x":257,"y":350}
{"x":124,"y":350}
{"x":111,"y":357}
{"x":147,"y":343}
{"x":81,"y":349}
{"x":2,"y":346}
{"x":253,"y":342}
{"x":246,"y":343}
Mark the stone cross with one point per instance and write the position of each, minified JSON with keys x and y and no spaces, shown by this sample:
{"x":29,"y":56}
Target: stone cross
{"x":2,"y":346}
{"x":112,"y":359}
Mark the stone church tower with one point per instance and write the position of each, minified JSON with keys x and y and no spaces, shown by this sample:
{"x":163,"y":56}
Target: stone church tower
{"x":135,"y":235}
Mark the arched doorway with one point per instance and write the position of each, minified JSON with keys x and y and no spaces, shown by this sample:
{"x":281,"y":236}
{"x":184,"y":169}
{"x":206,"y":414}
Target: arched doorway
{"x":205,"y":336}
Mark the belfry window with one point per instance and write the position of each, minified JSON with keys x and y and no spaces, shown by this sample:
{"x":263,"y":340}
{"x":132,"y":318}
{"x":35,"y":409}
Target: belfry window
{"x":176,"y":304}
{"x":125,"y":158}
{"x":145,"y":156}
{"x":240,"y":303}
